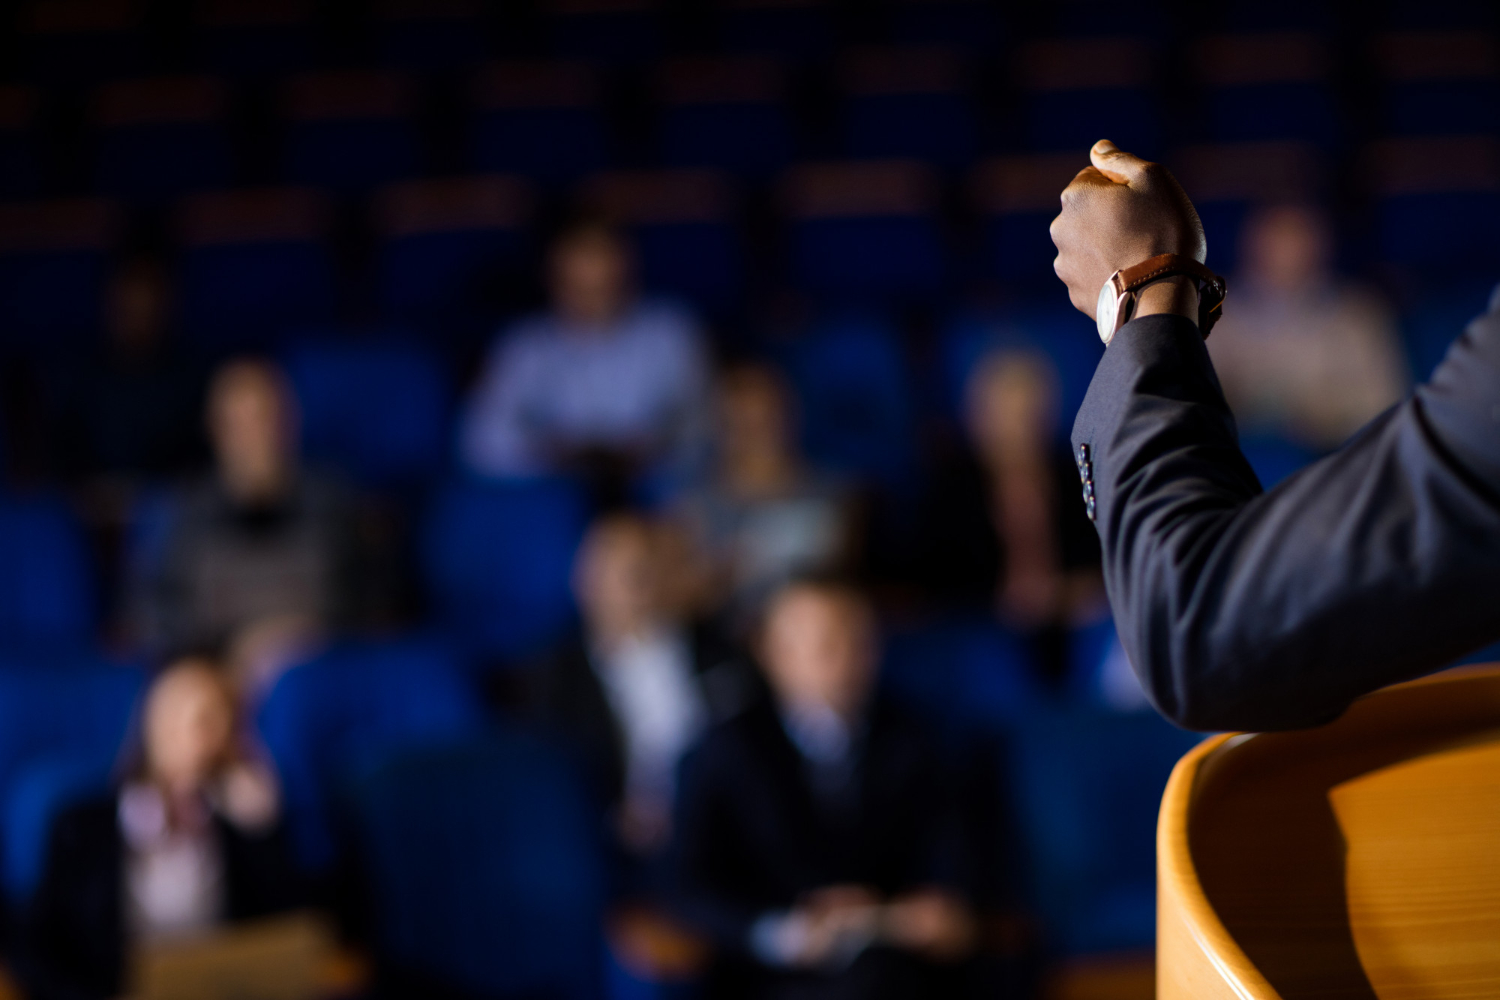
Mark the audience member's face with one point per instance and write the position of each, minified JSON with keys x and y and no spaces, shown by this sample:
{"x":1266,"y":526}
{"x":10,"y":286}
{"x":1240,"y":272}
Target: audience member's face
{"x":617,"y":580}
{"x":753,"y":412}
{"x":819,"y":648}
{"x":1287,"y":248}
{"x":137,"y":306}
{"x":1012,"y":404}
{"x":252,"y":423}
{"x":188,"y":725}
{"x":590,"y":276}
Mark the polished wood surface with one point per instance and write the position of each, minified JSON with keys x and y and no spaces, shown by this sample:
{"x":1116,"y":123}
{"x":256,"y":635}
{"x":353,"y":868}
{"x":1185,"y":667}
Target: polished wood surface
{"x":1336,"y":862}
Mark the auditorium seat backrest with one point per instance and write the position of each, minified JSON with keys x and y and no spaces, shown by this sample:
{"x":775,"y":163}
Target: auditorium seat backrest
{"x":438,"y":36}
{"x":685,"y":230}
{"x":967,"y":24}
{"x":865,"y":231}
{"x":254,"y":264}
{"x":908,"y":102}
{"x":1075,"y":91}
{"x":1437,"y":203}
{"x":19,"y":166}
{"x":497,"y":557}
{"x":376,"y":409}
{"x":350,"y":131}
{"x":484,"y":867}
{"x":968,"y":675}
{"x":47,"y":587}
{"x":254,"y":39}
{"x":329,"y":718}
{"x":538,"y":119}
{"x":802,"y":30}
{"x":1268,"y":85}
{"x":54,"y":259}
{"x":160,"y":138}
{"x":604,"y":32}
{"x":726,"y":114}
{"x":445,"y":247}
{"x":1016,"y":196}
{"x":79,"y":42}
{"x":1439,"y":82}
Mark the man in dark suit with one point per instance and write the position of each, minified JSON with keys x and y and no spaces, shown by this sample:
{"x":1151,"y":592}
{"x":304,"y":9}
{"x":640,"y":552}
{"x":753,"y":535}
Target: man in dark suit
{"x":1244,"y":609}
{"x":820,"y":847}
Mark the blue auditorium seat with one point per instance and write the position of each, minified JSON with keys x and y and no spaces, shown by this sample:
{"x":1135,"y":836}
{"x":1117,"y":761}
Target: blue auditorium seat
{"x":541,"y":120}
{"x":350,"y":132}
{"x":965,"y":674}
{"x":1268,"y":85}
{"x":969,"y":24}
{"x":1437,"y":317}
{"x":53,"y":267}
{"x":1433,"y":232}
{"x":161,"y":138}
{"x":1076,"y":90}
{"x":63,"y":725}
{"x":1439,"y":82}
{"x":726,"y":114}
{"x":254,"y":42}
{"x":793,"y":29}
{"x":443,"y":244}
{"x":855,"y":397}
{"x":621,"y":32}
{"x":683,"y":225}
{"x":254,"y":264}
{"x":1087,"y":787}
{"x":46,"y":580}
{"x":1017,"y":198}
{"x":327,"y":720}
{"x":20,"y":174}
{"x":376,"y":409}
{"x":908,"y":103}
{"x":865,"y":231}
{"x":433,"y":38}
{"x":1274,"y":458}
{"x":484,"y":865}
{"x":61,"y":45}
{"x":498,"y":561}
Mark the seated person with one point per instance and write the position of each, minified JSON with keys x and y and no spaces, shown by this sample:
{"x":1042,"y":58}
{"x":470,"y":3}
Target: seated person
{"x":263,"y":545}
{"x":1299,"y":354}
{"x":602,"y":384}
{"x":190,"y":842}
{"x":818,"y":834}
{"x":763,"y":516}
{"x":635,"y":687}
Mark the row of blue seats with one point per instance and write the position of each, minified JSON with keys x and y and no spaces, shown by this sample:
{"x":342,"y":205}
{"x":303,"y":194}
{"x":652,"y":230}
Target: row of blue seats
{"x":384,"y":745}
{"x":255,"y":266}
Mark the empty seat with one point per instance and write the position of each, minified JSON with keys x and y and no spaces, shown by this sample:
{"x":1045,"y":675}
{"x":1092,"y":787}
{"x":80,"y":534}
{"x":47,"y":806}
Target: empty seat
{"x":330,"y":719}
{"x":1438,"y":203}
{"x":908,"y":103}
{"x":431,"y":35}
{"x":254,"y":39}
{"x":865,"y":231}
{"x":969,"y":24}
{"x":1078,"y":91}
{"x":1226,"y":180}
{"x":444,"y":247}
{"x":1437,"y":316}
{"x":484,"y":867}
{"x":1087,"y":786}
{"x":1017,"y":197}
{"x":498,"y":561}
{"x":855,"y":397}
{"x":541,"y":120}
{"x":728,"y":114}
{"x":964,"y":674}
{"x":350,"y":131}
{"x":53,"y":264}
{"x":1439,"y":82}
{"x":253,"y":265}
{"x":795,"y":29}
{"x":684,"y":228}
{"x":46,"y":580}
{"x":377,"y":410}
{"x":74,"y":43}
{"x":161,"y":138}
{"x":603,"y":31}
{"x":1270,"y":85}
{"x":19,"y":168}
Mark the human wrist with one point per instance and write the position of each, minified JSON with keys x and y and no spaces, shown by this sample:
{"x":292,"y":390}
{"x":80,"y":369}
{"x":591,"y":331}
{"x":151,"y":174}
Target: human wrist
{"x":1177,"y":295}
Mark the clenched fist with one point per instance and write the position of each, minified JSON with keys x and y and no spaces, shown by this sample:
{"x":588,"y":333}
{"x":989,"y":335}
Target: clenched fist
{"x":1115,"y":214}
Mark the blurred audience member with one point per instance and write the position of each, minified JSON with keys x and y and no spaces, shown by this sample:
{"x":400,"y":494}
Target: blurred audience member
{"x":190,"y":842}
{"x":635,"y":687}
{"x":1006,"y":526}
{"x":603,"y":383}
{"x":1299,"y":354}
{"x":819,"y":833}
{"x":264,"y":544}
{"x":763,"y":516}
{"x":137,"y":404}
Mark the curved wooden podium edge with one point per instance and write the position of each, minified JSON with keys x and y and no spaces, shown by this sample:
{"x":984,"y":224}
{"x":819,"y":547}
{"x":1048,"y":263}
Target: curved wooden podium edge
{"x":1188,"y":930}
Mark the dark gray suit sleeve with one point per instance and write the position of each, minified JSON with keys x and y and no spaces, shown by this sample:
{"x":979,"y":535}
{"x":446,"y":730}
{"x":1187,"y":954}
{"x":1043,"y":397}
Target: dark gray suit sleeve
{"x":1243,"y":609}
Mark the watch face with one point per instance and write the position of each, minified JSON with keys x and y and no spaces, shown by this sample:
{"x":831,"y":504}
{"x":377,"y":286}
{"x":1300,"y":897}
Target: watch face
{"x":1104,"y":312}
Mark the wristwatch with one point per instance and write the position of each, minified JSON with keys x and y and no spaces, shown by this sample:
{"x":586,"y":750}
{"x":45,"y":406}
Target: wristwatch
{"x":1117,"y":299}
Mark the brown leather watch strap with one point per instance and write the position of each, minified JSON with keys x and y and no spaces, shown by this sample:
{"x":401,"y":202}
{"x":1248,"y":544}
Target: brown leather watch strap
{"x":1162,"y":266}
